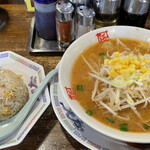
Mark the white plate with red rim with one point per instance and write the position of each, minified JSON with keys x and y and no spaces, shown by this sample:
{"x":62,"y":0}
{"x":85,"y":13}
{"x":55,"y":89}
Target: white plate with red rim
{"x":67,"y":61}
{"x":33,"y":74}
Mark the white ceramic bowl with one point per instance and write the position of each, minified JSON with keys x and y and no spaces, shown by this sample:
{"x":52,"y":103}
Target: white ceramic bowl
{"x":70,"y":56}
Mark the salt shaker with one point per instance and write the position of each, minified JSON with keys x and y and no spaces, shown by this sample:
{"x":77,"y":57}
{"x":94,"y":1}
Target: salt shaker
{"x":77,"y":3}
{"x":107,"y":12}
{"x":45,"y":21}
{"x":64,"y":23}
{"x":85,"y":20}
{"x":134,"y":12}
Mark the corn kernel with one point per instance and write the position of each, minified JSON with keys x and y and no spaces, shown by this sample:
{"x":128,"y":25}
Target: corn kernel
{"x":148,"y":70}
{"x":113,"y":73}
{"x":116,"y":59}
{"x":106,"y":61}
{"x":142,"y":63}
{"x":147,"y":61}
{"x":7,"y":111}
{"x":143,"y":69}
{"x":126,"y":61}
{"x":7,"y":94}
{"x":124,"y":66}
{"x":136,"y":62}
{"x":131,"y":55}
{"x":118,"y":66}
{"x":131,"y":59}
{"x":109,"y":62}
{"x":7,"y":108}
{"x":122,"y":62}
{"x":132,"y":65}
{"x":137,"y":66}
{"x":145,"y":73}
{"x":117,"y":54}
{"x":125,"y":73}
{"x":131,"y":69}
{"x":130,"y":101}
{"x":4,"y":112}
{"x":112,"y":62}
{"x":118,"y":71}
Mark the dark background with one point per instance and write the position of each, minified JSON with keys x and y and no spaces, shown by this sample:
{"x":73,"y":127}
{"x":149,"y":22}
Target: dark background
{"x":11,"y":1}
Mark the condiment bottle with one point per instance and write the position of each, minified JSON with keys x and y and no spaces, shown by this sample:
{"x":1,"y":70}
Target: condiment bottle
{"x":85,"y":20}
{"x":80,"y":2}
{"x":134,"y":12}
{"x":77,"y":3}
{"x":65,"y":23}
{"x":107,"y":12}
{"x":45,"y":18}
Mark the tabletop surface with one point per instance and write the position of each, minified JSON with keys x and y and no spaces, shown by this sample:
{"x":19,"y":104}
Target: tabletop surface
{"x":15,"y":38}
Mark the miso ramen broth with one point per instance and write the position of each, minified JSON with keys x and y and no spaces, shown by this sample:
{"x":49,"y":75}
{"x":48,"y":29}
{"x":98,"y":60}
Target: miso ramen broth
{"x":111,"y":81}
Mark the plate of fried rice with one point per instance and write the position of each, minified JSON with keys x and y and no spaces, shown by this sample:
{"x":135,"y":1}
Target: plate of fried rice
{"x":19,"y":78}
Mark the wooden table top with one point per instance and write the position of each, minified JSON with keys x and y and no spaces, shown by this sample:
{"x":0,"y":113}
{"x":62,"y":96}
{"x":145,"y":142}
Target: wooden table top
{"x":47,"y":133}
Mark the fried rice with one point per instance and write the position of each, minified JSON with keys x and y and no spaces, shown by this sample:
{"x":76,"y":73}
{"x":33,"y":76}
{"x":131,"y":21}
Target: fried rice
{"x":13,"y":94}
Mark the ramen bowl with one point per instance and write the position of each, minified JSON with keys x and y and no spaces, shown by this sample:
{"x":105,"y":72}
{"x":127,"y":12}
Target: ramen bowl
{"x":66,"y":64}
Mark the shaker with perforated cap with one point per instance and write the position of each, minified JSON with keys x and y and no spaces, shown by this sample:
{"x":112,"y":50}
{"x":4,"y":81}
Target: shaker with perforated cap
{"x":85,"y":20}
{"x":77,"y":3}
{"x":107,"y":12}
{"x":135,"y":12}
{"x":65,"y":23}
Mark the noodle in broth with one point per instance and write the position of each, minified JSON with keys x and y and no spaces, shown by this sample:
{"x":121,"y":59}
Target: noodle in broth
{"x":111,"y":81}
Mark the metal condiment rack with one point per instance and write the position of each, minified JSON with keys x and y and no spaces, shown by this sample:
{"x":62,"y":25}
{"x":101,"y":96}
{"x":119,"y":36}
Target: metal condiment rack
{"x":37,"y":44}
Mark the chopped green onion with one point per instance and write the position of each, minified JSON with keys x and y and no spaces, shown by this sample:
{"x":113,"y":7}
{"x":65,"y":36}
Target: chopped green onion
{"x":101,"y":54}
{"x":105,"y":57}
{"x":110,"y":120}
{"x":89,"y":112}
{"x":146,"y":126}
{"x":123,"y":127}
{"x":79,"y":87}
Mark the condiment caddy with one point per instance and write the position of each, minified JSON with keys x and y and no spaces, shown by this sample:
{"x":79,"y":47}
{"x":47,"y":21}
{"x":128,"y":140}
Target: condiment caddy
{"x":66,"y":22}
{"x":58,"y":23}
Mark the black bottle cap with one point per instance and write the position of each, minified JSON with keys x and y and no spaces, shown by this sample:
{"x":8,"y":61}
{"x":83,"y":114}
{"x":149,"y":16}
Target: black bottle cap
{"x":137,"y":7}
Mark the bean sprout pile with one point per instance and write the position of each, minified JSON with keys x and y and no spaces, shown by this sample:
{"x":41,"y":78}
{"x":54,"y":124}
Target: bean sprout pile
{"x":121,"y":82}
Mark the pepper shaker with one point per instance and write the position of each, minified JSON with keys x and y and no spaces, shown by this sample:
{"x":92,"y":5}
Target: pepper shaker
{"x":85,"y":20}
{"x":77,"y":3}
{"x":64,"y":23}
{"x":134,"y":12}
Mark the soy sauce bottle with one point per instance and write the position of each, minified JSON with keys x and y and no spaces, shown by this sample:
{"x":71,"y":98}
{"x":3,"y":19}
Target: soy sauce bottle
{"x":134,"y":13}
{"x":107,"y":12}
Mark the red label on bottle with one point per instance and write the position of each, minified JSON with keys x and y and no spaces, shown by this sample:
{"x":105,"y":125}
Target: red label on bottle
{"x":70,"y":93}
{"x":103,"y":36}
